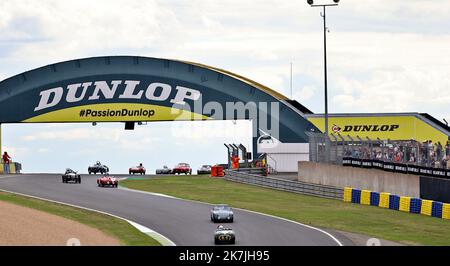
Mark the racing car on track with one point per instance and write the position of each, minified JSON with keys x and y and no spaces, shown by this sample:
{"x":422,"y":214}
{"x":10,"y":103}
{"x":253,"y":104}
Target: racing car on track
{"x":224,"y":235}
{"x":182,"y":168}
{"x":107,"y":180}
{"x":140,"y":169}
{"x":222,"y":213}
{"x":205,"y":169}
{"x":164,"y":171}
{"x":71,"y":176}
{"x":98,"y":168}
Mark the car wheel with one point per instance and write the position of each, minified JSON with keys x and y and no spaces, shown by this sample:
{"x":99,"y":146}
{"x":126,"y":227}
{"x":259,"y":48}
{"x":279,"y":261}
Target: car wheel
{"x":234,"y":241}
{"x":231,"y":220}
{"x":89,"y":172}
{"x":216,"y":241}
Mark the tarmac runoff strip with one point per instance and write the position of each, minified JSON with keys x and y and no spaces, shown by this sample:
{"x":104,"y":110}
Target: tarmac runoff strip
{"x":151,"y":233}
{"x":260,"y":213}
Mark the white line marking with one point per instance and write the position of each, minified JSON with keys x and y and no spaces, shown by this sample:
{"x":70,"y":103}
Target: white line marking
{"x":260,"y":213}
{"x":159,"y":237}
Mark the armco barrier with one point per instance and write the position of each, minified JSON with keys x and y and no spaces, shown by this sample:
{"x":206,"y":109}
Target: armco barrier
{"x":394,"y":202}
{"x":285,"y":185}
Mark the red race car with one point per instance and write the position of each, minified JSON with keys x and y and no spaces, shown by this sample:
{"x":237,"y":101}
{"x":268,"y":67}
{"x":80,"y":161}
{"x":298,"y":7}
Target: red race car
{"x":107,"y":180}
{"x":182,"y":168}
{"x":140,"y":169}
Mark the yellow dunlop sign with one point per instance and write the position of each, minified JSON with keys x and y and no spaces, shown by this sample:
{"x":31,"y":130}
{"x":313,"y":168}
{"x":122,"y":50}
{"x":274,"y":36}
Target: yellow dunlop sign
{"x":116,"y":112}
{"x":393,"y":127}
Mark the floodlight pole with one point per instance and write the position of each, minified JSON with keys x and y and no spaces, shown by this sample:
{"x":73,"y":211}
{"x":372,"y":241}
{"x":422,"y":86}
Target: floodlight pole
{"x":324,"y":16}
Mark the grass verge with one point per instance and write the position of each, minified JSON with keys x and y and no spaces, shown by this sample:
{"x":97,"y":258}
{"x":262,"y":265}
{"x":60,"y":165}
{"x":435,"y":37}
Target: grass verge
{"x":405,"y":228}
{"x":120,"y":229}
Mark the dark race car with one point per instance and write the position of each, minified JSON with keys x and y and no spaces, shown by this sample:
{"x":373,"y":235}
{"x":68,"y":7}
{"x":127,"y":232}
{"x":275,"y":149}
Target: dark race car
{"x":140,"y":169}
{"x":205,"y":169}
{"x":182,"y":168}
{"x":164,"y":171}
{"x":98,"y":168}
{"x":224,"y":235}
{"x":71,"y":176}
{"x":222,"y":213}
{"x":107,"y":181}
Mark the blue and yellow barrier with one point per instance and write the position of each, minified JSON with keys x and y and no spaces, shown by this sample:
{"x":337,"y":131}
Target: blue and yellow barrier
{"x":394,"y":202}
{"x":404,"y":205}
{"x":356,"y":196}
{"x":446,"y":211}
{"x":374,"y":198}
{"x":427,"y":207}
{"x":348,"y":194}
{"x":365,"y":197}
{"x":384,"y":200}
{"x":436,"y":209}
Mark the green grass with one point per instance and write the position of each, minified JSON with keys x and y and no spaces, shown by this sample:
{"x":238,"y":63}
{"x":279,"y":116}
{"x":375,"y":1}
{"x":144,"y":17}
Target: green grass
{"x":410,"y":229}
{"x":117,"y":228}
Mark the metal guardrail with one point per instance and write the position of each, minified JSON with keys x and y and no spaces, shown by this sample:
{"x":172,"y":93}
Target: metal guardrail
{"x":285,"y":185}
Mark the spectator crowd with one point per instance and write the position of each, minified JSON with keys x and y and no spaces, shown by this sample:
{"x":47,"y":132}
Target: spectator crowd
{"x":424,"y":153}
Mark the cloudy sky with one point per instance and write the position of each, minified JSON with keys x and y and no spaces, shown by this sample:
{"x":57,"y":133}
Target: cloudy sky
{"x":384,"y":56}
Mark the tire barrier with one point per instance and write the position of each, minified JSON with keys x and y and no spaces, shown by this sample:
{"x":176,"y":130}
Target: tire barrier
{"x":399,"y":203}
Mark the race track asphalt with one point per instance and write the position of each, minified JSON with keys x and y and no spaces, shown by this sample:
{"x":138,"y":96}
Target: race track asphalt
{"x":183,"y":222}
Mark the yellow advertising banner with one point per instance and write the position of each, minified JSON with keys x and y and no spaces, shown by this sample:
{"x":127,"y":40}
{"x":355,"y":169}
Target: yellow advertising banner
{"x":116,"y":112}
{"x":383,"y":127}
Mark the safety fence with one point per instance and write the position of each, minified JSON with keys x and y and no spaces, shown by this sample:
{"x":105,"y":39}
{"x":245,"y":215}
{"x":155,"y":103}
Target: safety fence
{"x":285,"y":185}
{"x":398,"y":203}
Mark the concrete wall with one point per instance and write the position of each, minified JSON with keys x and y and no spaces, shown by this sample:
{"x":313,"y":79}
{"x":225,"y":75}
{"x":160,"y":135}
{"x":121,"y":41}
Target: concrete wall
{"x":360,"y":178}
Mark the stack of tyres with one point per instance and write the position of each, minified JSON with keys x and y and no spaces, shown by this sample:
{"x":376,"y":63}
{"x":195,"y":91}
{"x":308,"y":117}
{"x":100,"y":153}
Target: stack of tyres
{"x":374,"y":198}
{"x":405,"y":204}
{"x":416,"y":205}
{"x":356,"y":196}
{"x":394,"y":202}
{"x":426,"y":207}
{"x":446,"y":211}
{"x":213,"y":171}
{"x":436,"y":209}
{"x":220,"y":171}
{"x":384,"y":200}
{"x":347,"y":194}
{"x":365,"y":197}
